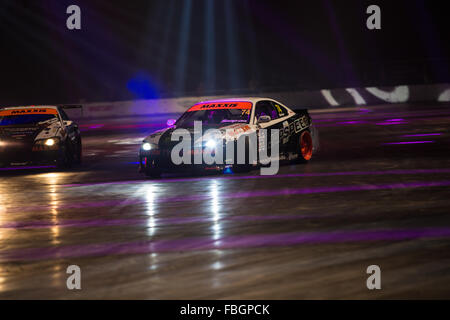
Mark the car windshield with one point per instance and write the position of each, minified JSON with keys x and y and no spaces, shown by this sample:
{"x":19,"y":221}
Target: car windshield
{"x":26,"y":119}
{"x":216,"y":115}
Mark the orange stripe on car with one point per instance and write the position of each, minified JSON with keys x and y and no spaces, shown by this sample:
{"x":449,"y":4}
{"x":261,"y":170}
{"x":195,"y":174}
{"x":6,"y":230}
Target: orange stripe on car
{"x":19,"y":112}
{"x":221,"y":105}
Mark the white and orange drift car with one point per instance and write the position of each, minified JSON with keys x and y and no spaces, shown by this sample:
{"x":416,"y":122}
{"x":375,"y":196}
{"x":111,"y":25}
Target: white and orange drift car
{"x":37,"y":135}
{"x":220,"y":125}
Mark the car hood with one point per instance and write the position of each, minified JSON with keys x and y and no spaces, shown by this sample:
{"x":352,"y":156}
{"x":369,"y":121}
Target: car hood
{"x":162,"y":138}
{"x":30,"y":132}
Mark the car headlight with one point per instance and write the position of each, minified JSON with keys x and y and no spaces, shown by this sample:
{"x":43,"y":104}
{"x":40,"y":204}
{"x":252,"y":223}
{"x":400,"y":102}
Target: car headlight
{"x":146,"y":146}
{"x":211,"y":144}
{"x":50,"y":142}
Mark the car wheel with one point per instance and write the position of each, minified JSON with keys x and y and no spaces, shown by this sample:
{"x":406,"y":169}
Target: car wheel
{"x":151,"y":170}
{"x":246,"y":167}
{"x":65,"y":159}
{"x":305,"y":147}
{"x":153,"y":173}
{"x":79,"y":152}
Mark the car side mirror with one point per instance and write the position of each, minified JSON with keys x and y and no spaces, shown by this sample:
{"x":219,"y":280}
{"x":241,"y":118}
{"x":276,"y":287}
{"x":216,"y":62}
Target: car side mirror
{"x":264,"y":119}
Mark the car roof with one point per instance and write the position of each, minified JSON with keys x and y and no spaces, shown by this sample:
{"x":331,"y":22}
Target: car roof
{"x":253,"y":100}
{"x":28,"y":107}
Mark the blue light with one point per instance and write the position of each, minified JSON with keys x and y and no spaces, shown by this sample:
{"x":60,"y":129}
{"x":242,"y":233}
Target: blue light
{"x":228,"y":170}
{"x":142,"y":86}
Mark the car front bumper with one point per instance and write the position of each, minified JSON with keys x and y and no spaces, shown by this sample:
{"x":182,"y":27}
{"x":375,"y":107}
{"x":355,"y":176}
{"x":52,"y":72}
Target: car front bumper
{"x":161,"y":160}
{"x":27,"y":156}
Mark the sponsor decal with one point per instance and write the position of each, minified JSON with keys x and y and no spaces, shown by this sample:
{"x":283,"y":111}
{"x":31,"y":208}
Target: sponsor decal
{"x":221,"y":105}
{"x":278,"y":108}
{"x":294,"y":127}
{"x":236,"y":130}
{"x":209,"y":148}
{"x":281,"y":112}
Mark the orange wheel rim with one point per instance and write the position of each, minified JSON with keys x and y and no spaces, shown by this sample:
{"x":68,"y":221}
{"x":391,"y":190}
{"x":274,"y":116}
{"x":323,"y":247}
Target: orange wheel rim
{"x":306,"y":145}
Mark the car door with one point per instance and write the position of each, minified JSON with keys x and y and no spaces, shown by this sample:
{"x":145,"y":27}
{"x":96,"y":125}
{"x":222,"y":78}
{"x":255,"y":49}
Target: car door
{"x":266,"y":108}
{"x":285,"y":123}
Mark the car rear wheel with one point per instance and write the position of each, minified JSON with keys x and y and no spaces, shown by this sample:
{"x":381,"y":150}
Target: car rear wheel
{"x":305,"y":147}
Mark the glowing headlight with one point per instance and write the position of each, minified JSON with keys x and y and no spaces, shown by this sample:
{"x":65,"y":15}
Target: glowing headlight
{"x":210,"y":144}
{"x":146,"y":146}
{"x":49,"y":142}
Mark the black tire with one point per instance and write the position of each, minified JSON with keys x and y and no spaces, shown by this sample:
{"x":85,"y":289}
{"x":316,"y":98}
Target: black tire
{"x":152,"y":171}
{"x":65,"y":160}
{"x":241,"y":168}
{"x":78,"y":159}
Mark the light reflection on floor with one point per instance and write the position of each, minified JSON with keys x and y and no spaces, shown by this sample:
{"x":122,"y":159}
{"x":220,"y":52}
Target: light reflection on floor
{"x":149,"y":238}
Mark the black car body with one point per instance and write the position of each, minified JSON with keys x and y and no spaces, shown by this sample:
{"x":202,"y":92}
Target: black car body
{"x":38,"y":135}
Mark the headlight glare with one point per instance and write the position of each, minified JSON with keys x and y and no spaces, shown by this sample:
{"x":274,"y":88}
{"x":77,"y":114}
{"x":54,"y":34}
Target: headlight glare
{"x":211,"y":144}
{"x":49,"y":142}
{"x":146,"y":146}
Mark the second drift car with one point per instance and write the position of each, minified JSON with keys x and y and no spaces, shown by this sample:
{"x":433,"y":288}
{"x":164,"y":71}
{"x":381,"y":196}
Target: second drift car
{"x":38,"y":135}
{"x":233,"y":118}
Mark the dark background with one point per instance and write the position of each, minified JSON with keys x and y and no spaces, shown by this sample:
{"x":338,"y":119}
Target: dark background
{"x":147,"y":49}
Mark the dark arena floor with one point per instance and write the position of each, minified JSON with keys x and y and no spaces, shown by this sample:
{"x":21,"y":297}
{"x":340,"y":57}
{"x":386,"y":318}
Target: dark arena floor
{"x":377,"y":193}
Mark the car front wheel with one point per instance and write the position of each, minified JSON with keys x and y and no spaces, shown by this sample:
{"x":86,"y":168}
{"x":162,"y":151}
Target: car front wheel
{"x":65,"y":159}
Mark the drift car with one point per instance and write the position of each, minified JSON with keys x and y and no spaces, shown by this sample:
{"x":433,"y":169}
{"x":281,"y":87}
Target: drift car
{"x":234,"y":118}
{"x":39,"y":135}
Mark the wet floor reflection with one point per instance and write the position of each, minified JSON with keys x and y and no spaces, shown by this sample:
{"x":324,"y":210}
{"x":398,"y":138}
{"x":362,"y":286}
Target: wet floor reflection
{"x":150,"y":195}
{"x":51,"y":180}
{"x":215,"y":210}
{"x":2,"y":202}
{"x":154,"y":261}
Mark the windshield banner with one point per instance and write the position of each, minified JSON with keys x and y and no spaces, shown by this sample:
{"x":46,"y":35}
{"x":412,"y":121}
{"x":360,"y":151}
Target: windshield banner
{"x":221,"y":105}
{"x":18,"y":112}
